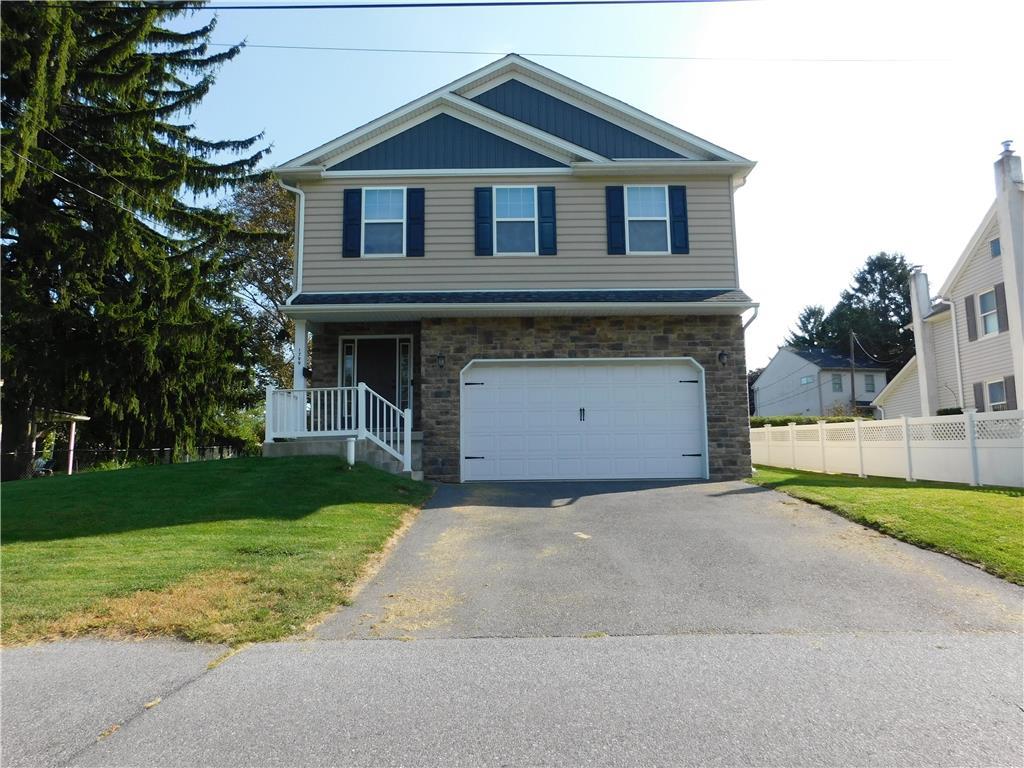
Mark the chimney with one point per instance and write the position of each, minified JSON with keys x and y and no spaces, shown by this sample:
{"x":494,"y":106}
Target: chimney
{"x":924,"y":348}
{"x":1010,"y":215}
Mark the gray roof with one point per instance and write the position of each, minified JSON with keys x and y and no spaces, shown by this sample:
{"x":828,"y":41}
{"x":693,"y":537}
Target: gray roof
{"x":670,"y":296}
{"x":830,"y":358}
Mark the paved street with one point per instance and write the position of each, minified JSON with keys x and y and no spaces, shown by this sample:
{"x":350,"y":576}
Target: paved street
{"x":569,"y":623}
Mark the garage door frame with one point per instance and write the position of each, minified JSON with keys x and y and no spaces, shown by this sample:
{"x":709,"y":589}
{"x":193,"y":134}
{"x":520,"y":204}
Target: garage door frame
{"x":702,"y":380}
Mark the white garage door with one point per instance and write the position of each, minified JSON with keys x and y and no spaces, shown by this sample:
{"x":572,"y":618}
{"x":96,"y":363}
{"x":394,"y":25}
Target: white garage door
{"x":574,"y":419}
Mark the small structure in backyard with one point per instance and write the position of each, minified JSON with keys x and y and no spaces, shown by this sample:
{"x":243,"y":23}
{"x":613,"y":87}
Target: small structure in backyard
{"x":47,"y":421}
{"x":973,"y":448}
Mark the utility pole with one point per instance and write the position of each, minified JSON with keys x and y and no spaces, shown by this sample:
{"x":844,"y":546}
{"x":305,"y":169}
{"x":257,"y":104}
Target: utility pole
{"x":853,"y":378}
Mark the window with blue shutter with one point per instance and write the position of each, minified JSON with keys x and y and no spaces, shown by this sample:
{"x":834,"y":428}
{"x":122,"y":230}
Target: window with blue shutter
{"x":679,"y":224}
{"x":482,"y":214}
{"x":352,"y":223}
{"x":615,"y":216}
{"x":546,"y":221}
{"x":414,"y":237}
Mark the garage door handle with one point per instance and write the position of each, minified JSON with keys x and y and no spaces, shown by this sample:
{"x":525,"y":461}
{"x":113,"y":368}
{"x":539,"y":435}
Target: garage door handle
{"x":689,"y":381}
{"x":693,"y":454}
{"x":583,"y":414}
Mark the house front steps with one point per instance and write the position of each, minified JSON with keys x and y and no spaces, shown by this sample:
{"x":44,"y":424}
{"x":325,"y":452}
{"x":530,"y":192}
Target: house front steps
{"x":366,"y":452}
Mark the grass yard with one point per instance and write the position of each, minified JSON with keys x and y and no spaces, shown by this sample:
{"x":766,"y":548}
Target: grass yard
{"x":984,"y":526}
{"x":228,"y":551}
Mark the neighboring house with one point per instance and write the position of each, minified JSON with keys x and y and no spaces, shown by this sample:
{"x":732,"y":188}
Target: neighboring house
{"x":969,"y":340}
{"x":542,"y":278}
{"x":815,"y":382}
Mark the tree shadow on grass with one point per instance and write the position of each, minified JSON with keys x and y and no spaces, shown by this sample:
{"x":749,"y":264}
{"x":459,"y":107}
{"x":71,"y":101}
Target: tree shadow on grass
{"x":102,"y":503}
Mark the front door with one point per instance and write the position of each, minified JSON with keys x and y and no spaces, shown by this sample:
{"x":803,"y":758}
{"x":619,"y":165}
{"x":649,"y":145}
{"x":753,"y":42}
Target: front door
{"x":384,"y":364}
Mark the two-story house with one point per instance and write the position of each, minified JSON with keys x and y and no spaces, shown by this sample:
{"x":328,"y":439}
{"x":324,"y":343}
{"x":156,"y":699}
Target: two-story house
{"x":969,"y":340}
{"x":525,"y":278}
{"x":816,"y":382}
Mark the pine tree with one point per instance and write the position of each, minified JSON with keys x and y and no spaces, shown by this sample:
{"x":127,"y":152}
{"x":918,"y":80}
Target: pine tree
{"x":119,"y":301}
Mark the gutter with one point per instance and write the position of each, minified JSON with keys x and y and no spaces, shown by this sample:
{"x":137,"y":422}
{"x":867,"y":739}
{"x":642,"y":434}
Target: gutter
{"x":300,"y":219}
{"x":753,"y":317}
{"x":454,"y":310}
{"x":956,"y":351}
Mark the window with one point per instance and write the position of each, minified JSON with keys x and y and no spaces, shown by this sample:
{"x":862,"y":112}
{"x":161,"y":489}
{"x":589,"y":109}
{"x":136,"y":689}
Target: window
{"x":384,"y":222}
{"x":646,"y":219}
{"x":997,"y":395}
{"x":515,"y":220}
{"x":837,"y":382}
{"x":987,"y":311}
{"x":807,"y":380}
{"x":995,"y":247}
{"x":869,"y":382}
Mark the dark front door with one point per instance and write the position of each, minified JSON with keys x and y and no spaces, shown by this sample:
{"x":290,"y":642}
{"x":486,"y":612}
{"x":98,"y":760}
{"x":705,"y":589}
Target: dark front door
{"x":377,"y":366}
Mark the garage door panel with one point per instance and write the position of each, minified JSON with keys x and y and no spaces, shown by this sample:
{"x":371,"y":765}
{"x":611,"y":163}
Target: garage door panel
{"x":525,"y":420}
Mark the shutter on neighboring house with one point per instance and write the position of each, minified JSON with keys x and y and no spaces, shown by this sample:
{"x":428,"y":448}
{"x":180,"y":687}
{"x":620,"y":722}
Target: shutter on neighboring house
{"x":352,"y":223}
{"x":972,"y":320}
{"x":414,"y":221}
{"x":483,"y":221}
{"x":979,"y":396}
{"x":678,"y":225}
{"x":1004,"y":322}
{"x":546,"y":225}
{"x":1011,"y":393}
{"x":615,"y":213}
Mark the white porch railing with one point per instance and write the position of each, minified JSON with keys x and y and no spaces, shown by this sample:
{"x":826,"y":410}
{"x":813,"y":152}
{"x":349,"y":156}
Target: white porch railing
{"x":973,"y":448}
{"x":357,"y":412}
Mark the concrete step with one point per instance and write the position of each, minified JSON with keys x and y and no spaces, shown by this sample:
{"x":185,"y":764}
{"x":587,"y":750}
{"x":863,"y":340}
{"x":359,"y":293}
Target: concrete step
{"x":366,"y":452}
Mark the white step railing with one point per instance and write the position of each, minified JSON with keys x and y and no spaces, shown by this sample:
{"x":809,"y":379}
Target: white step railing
{"x":340,"y":412}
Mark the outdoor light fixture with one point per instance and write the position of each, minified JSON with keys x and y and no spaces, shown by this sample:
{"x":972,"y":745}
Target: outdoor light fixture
{"x":723,"y":357}
{"x":440,"y":359}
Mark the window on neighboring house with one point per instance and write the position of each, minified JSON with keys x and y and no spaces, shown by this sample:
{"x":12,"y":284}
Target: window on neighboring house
{"x":995,"y":247}
{"x":647,"y":220}
{"x":869,"y":382}
{"x":515,"y":220}
{"x":837,"y":382}
{"x":987,"y":311}
{"x":807,"y":380}
{"x":384,"y":222}
{"x":996,"y":395}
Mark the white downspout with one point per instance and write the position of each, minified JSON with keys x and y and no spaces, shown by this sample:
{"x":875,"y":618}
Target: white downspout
{"x":956,"y":352}
{"x":300,"y":220}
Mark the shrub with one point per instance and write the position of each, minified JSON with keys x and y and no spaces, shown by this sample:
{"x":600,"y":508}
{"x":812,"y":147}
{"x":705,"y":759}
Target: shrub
{"x":784,"y":421}
{"x":949,"y":412}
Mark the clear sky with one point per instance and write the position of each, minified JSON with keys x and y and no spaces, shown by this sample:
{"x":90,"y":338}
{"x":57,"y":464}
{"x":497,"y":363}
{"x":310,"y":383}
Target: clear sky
{"x":853,"y":157}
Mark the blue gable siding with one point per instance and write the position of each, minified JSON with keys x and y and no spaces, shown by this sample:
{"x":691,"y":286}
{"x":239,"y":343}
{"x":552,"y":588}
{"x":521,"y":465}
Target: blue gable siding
{"x":554,"y":116}
{"x":445,"y":142}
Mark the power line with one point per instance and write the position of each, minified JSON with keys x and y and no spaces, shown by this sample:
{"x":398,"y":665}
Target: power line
{"x":872,"y":357}
{"x":618,"y":56}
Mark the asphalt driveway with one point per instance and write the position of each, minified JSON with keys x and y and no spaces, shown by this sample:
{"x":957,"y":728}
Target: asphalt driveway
{"x":577,"y":623}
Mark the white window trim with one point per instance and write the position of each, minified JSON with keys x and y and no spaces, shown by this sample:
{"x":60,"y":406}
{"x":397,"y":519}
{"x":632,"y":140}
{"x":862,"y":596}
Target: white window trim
{"x":993,"y":313}
{"x":988,"y":398}
{"x":840,"y":382}
{"x":363,"y":223}
{"x":495,"y":220}
{"x":666,"y":218}
{"x":869,"y":377}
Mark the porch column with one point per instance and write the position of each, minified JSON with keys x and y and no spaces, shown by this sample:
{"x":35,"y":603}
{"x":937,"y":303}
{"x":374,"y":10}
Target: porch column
{"x":299,"y":358}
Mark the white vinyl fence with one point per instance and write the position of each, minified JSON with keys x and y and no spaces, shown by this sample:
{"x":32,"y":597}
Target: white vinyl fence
{"x":974,"y":448}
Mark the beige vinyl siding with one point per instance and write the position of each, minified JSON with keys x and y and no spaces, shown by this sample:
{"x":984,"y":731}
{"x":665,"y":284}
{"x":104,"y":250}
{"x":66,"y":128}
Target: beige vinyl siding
{"x":582,"y":260}
{"x":945,"y":363}
{"x":988,"y":357}
{"x":903,"y":398}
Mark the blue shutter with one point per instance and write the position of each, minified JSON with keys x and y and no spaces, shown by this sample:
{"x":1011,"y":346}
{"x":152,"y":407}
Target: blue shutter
{"x":483,"y":221}
{"x":678,"y":224}
{"x":615,"y":214}
{"x":352,"y":226}
{"x":414,"y":221}
{"x":546,"y":227}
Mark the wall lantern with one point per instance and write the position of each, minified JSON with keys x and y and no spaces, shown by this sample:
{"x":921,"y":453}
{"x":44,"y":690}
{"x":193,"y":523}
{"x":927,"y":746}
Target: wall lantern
{"x":723,"y":357}
{"x":440,"y":359}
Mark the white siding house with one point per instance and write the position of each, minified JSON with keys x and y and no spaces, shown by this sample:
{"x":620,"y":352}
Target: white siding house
{"x":814,"y":382}
{"x":969,"y":340}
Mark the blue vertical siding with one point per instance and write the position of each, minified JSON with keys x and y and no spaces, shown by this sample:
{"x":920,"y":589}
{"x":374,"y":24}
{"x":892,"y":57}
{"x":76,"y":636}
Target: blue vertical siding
{"x":536,"y":108}
{"x":445,"y":142}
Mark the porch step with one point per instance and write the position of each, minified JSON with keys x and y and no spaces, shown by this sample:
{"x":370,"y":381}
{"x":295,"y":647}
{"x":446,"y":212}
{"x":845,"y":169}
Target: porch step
{"x":366,"y":452}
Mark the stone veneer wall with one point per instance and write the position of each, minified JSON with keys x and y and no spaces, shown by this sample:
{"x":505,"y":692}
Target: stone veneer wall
{"x":701,"y":337}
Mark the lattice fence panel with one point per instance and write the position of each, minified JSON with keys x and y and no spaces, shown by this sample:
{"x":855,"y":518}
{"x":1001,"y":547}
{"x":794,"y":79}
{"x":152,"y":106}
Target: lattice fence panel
{"x":840,"y":435}
{"x":945,"y":431}
{"x":757,"y":436}
{"x":807,"y":435}
{"x":780,"y":436}
{"x":875,"y":433}
{"x":1008,"y":428}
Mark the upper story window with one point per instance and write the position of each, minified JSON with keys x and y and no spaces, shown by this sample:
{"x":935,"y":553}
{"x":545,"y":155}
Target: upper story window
{"x":806,"y":379}
{"x":995,"y":247}
{"x":837,"y":382}
{"x":987,"y":309}
{"x":996,"y":395}
{"x":384,"y":221}
{"x":647,"y":220}
{"x":869,"y":382}
{"x":515,"y":221}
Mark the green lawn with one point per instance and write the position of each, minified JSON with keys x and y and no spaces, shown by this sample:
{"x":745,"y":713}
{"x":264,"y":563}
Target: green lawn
{"x":229,"y":551}
{"x":984,"y":526}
